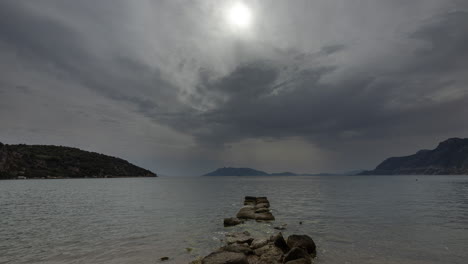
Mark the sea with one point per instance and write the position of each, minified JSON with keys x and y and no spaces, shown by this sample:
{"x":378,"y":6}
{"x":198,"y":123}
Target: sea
{"x":352,"y":219}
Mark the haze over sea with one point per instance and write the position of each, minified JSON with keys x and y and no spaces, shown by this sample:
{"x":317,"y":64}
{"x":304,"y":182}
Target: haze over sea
{"x":353,"y":219}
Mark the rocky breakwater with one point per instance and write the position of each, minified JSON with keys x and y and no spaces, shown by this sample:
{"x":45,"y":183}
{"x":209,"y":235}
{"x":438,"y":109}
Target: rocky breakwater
{"x":255,"y":208}
{"x":243,"y":248}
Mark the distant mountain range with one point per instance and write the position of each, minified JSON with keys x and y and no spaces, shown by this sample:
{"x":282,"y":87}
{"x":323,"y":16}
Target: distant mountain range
{"x":229,"y":171}
{"x":236,"y":172}
{"x":450,"y":157}
{"x":38,"y":161}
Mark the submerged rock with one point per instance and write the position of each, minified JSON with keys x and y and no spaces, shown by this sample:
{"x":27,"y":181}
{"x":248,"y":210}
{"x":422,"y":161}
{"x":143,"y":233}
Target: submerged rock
{"x":232,"y":221}
{"x":281,"y":227}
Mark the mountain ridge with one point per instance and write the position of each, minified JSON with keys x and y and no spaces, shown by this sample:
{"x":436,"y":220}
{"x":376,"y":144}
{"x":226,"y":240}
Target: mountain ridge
{"x":450,"y":157}
{"x":232,"y":171}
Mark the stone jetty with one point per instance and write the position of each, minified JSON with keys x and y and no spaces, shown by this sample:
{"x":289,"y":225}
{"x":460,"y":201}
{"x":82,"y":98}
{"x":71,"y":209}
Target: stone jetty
{"x":243,"y":248}
{"x":255,"y":208}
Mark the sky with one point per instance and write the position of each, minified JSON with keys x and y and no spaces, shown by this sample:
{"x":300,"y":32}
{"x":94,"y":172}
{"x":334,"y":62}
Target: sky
{"x":179,"y":88}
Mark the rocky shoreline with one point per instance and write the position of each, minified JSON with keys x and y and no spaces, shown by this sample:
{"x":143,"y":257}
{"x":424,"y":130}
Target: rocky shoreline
{"x":243,"y":248}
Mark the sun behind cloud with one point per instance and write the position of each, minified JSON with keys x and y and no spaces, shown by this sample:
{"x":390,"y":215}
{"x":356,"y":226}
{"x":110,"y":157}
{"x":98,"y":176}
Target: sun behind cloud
{"x":239,"y":15}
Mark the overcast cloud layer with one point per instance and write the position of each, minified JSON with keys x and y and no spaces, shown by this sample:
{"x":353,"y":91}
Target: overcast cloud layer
{"x":322,"y":85}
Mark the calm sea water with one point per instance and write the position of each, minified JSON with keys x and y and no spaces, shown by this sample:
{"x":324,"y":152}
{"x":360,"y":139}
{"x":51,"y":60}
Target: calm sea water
{"x":397,"y":219}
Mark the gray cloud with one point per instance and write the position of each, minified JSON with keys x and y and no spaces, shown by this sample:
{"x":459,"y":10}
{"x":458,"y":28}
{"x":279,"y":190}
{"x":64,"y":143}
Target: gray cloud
{"x":384,"y":76}
{"x":445,"y":47}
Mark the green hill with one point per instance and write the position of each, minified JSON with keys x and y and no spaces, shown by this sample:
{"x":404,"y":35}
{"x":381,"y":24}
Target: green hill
{"x":39,"y":161}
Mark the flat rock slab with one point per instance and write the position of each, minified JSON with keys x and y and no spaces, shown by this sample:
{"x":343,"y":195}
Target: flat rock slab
{"x":238,"y":248}
{"x":246,"y":212}
{"x":265,"y":216}
{"x":239,"y":238}
{"x":259,"y":242}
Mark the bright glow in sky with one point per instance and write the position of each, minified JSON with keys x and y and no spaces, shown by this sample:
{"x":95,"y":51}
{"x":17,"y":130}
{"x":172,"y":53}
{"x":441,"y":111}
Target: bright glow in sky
{"x":239,"y":16}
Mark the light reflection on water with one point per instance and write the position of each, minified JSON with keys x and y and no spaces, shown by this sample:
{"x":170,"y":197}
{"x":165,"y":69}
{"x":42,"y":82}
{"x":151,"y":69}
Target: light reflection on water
{"x":366,"y":219}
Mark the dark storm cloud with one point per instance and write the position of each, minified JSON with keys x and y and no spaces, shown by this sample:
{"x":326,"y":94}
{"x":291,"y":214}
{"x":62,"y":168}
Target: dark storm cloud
{"x":373,"y":105}
{"x":446,"y":39}
{"x":41,"y":41}
{"x":351,"y":80}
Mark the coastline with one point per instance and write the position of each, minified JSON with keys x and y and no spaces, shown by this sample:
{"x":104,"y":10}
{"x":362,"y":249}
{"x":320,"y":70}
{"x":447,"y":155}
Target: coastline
{"x":73,"y":178}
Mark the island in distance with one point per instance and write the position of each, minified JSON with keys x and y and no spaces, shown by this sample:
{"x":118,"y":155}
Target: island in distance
{"x":52,"y":162}
{"x":449,"y":158}
{"x":229,"y":171}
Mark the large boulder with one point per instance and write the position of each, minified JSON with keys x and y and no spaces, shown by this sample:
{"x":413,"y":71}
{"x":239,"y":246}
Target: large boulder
{"x":246,"y":212}
{"x":295,"y":254}
{"x":304,"y":242}
{"x":224,"y":257}
{"x":279,"y":242}
{"x":232,"y":221}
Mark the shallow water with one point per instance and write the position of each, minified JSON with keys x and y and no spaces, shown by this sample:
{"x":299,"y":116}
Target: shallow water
{"x":358,"y":219}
